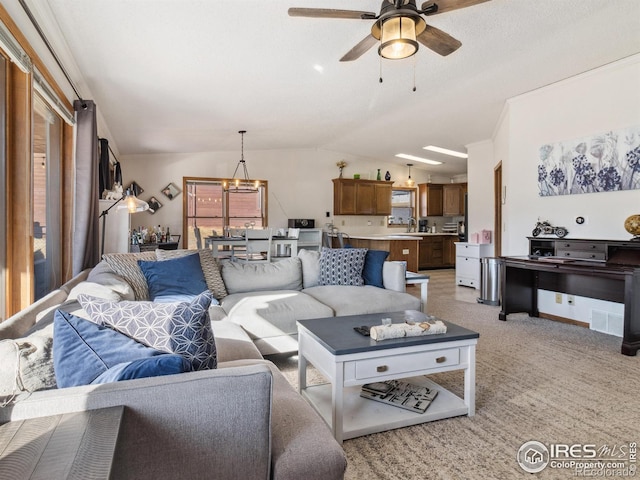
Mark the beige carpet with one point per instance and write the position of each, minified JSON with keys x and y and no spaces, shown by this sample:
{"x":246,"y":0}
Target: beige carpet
{"x":536,"y":380}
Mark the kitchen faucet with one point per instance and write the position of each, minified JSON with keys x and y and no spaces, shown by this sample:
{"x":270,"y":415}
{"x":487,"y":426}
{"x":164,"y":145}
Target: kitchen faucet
{"x":411,"y":221}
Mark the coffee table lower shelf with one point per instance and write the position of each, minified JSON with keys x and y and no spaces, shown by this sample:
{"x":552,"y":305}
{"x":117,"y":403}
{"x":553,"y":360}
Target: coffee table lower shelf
{"x":362,"y":416}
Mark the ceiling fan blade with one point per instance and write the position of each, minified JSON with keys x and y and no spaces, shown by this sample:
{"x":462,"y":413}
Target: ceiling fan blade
{"x":439,"y":41}
{"x":331,"y":13}
{"x":365,"y":44}
{"x":445,"y":6}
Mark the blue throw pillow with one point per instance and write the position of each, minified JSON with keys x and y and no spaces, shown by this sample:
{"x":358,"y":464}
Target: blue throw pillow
{"x":164,"y":364}
{"x":183,"y":328}
{"x":82,"y":350}
{"x":372,"y":271}
{"x":179,"y":279}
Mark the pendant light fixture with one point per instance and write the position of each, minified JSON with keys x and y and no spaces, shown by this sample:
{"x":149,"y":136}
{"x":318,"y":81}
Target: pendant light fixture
{"x":410,"y":182}
{"x":240,"y":181}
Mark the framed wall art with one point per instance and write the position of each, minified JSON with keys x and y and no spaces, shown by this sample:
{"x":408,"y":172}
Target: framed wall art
{"x":154,"y":205}
{"x":171,"y":191}
{"x":605,"y":162}
{"x":135,"y":188}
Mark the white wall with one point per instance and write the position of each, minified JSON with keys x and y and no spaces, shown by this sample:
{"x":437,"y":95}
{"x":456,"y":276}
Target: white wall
{"x":480,"y":189}
{"x":604,"y":99}
{"x":299,"y":182}
{"x":601,"y":100}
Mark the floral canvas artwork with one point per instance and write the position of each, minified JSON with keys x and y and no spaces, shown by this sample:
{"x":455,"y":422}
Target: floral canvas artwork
{"x":600,"y":163}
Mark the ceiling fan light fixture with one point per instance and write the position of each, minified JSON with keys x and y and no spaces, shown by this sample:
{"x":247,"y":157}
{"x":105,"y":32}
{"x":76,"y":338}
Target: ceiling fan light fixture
{"x":398,"y":38}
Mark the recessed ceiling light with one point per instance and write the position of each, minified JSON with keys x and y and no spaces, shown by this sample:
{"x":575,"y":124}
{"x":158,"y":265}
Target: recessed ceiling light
{"x":446,"y":151}
{"x":318,"y":68}
{"x":418,"y":159}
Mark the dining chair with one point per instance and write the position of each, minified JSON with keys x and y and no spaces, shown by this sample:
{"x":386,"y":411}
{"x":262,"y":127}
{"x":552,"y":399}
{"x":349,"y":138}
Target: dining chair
{"x":293,"y":233}
{"x":196,"y":232}
{"x":343,"y":240}
{"x":257,"y":246}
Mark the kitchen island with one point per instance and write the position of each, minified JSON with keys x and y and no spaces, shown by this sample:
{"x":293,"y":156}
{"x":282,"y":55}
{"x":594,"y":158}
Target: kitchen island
{"x":419,"y":249}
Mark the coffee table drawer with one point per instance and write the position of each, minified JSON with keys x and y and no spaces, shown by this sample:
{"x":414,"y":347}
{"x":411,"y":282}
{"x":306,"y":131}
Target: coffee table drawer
{"x":408,"y":363}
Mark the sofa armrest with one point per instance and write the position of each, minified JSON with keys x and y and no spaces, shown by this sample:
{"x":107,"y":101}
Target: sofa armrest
{"x":192,"y":425}
{"x":393,"y":276}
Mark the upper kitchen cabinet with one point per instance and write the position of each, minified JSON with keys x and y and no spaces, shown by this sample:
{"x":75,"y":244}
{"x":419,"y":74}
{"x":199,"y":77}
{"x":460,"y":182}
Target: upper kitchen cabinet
{"x":361,"y":197}
{"x":453,"y":199}
{"x":430,"y":195}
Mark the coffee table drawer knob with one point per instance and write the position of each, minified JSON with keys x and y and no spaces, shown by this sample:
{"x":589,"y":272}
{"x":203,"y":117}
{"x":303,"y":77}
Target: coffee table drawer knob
{"x":441,"y":359}
{"x":382,"y":368}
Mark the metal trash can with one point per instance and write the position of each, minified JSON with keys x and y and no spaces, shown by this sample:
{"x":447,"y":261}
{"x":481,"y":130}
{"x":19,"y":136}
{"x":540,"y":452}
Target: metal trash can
{"x":489,"y":281}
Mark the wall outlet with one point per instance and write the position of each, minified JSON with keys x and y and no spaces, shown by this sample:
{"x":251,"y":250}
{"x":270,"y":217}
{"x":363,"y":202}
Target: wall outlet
{"x":342,"y":223}
{"x":382,"y":223}
{"x":558,"y":298}
{"x":405,"y":251}
{"x":571,"y":300}
{"x":369,"y":223}
{"x":328,"y":214}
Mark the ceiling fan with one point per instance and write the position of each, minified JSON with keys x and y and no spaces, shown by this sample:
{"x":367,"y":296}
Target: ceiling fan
{"x":398,"y":27}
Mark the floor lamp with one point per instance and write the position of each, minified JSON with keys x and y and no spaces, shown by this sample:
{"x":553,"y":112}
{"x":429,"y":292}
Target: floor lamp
{"x":131,"y":203}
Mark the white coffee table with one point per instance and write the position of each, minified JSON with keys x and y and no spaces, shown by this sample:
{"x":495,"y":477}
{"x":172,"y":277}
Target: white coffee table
{"x":348,"y":360}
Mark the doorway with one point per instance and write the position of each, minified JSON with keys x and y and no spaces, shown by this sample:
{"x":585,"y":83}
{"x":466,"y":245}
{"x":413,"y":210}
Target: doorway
{"x":498,"y":201}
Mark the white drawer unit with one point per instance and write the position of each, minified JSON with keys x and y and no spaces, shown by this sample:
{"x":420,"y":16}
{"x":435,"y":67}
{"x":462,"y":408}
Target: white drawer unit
{"x":404,"y":365}
{"x":468,"y":257}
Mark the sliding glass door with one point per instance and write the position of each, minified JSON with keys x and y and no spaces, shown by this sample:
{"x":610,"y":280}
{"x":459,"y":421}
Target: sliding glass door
{"x":47,"y":198}
{"x":3,"y":182}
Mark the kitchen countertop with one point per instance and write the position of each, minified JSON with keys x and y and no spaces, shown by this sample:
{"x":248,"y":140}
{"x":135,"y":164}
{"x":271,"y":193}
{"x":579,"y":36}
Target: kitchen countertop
{"x":399,"y":236}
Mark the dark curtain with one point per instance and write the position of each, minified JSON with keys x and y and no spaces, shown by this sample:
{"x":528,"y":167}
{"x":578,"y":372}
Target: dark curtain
{"x":117,"y":173}
{"x":86,"y":253}
{"x":104,"y":177}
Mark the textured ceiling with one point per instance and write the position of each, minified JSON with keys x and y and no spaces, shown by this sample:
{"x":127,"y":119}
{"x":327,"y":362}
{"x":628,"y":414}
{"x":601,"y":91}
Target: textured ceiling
{"x":186,"y":75}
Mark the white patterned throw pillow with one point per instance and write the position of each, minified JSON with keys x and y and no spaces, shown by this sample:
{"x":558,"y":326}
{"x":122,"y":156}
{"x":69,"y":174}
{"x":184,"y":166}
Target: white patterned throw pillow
{"x":342,"y":266}
{"x":181,"y":327}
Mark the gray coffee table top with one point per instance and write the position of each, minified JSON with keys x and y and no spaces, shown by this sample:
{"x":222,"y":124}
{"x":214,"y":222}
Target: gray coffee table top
{"x":337,"y":335}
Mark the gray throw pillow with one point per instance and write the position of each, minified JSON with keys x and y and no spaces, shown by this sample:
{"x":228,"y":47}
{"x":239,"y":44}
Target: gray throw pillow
{"x":126,"y":266}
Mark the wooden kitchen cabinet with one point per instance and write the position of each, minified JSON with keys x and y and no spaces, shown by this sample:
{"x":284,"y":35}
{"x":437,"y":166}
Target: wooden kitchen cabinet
{"x":437,"y":251}
{"x":438,"y":199}
{"x":430,"y":195}
{"x":399,"y":250}
{"x":431,"y":251}
{"x":383,"y":198}
{"x":453,"y":199}
{"x":361,"y":197}
{"x":449,"y":250}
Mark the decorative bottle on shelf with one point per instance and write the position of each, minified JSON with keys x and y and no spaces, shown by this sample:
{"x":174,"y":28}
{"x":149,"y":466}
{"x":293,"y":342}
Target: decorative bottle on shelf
{"x":168,"y":235}
{"x":387,"y":176}
{"x":378,"y":177}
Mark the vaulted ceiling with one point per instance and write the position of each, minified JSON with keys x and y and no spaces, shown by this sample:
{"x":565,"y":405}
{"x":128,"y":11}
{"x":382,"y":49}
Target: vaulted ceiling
{"x":186,"y":75}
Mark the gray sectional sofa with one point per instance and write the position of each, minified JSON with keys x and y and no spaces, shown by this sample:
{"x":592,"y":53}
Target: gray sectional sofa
{"x":267,"y":299}
{"x":241,"y":420}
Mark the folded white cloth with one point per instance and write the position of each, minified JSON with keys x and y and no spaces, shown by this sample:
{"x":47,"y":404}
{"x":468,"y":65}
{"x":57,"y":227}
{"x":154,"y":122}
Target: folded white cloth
{"x":409,"y":329}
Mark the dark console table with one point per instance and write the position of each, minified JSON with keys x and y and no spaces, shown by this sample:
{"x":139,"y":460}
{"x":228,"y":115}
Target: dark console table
{"x":605,"y":280}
